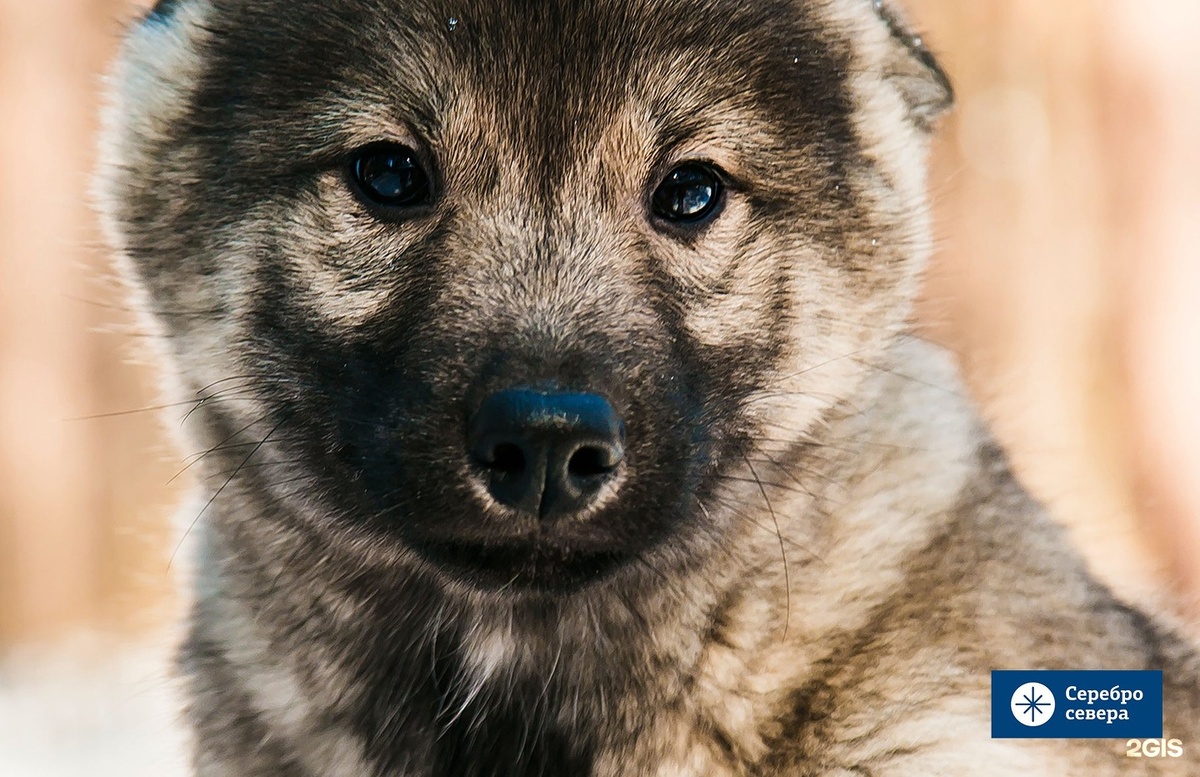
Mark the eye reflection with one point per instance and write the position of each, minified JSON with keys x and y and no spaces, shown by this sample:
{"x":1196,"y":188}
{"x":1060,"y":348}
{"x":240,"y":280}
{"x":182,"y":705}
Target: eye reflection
{"x":390,"y":175}
{"x":689,"y":194}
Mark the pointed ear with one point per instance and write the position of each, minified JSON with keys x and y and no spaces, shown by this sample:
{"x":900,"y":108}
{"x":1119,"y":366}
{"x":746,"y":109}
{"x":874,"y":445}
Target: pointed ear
{"x":913,"y":69}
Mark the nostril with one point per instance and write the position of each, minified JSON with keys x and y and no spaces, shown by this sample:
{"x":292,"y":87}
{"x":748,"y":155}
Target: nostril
{"x":507,"y":458}
{"x":589,"y":461}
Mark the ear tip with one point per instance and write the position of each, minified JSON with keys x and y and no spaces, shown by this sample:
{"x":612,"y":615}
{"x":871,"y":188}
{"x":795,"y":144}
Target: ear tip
{"x":162,"y":10}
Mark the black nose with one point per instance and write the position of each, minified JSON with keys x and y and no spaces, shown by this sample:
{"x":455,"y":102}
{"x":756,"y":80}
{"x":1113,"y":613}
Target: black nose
{"x":546,"y":453}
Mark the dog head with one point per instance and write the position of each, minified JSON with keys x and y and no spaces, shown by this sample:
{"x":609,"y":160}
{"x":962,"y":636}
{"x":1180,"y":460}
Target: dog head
{"x":511,"y":291}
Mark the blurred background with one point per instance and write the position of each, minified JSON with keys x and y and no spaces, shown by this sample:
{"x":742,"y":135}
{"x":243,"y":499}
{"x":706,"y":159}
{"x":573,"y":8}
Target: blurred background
{"x":1067,"y":191}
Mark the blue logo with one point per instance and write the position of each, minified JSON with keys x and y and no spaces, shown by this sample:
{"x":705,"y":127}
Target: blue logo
{"x":1044,"y":704}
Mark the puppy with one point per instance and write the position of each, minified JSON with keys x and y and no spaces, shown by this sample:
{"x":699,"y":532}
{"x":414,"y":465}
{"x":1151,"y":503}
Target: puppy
{"x":557,"y":406}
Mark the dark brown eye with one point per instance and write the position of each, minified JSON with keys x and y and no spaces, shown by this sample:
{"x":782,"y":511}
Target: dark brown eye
{"x":689,"y":194}
{"x":390,"y":175}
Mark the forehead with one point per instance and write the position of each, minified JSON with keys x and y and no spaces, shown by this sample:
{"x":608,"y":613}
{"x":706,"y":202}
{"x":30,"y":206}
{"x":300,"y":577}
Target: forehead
{"x":547,"y":74}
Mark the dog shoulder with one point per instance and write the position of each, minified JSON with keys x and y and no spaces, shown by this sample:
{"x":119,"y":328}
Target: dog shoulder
{"x":985,"y":579}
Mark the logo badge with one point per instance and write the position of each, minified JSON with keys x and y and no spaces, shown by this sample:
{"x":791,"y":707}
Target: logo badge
{"x":1077,"y":704}
{"x":1032,"y":704}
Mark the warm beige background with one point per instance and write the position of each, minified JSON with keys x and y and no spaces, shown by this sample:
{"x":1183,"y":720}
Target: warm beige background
{"x":1066,"y":184}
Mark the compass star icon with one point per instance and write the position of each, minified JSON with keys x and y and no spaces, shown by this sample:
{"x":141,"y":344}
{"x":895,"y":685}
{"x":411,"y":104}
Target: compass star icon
{"x":1032,"y":704}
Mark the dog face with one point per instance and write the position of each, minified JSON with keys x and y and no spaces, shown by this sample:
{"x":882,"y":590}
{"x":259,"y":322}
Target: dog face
{"x":517,"y":294}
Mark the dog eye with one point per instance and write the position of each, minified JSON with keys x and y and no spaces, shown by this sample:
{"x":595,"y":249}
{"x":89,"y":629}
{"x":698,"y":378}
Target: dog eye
{"x":690,"y":193}
{"x":390,"y":175}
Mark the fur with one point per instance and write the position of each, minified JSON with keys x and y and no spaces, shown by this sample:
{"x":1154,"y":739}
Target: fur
{"x":815,"y":552}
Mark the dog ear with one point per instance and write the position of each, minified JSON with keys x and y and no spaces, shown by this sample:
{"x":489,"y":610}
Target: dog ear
{"x":148,"y":89}
{"x":912,"y":67}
